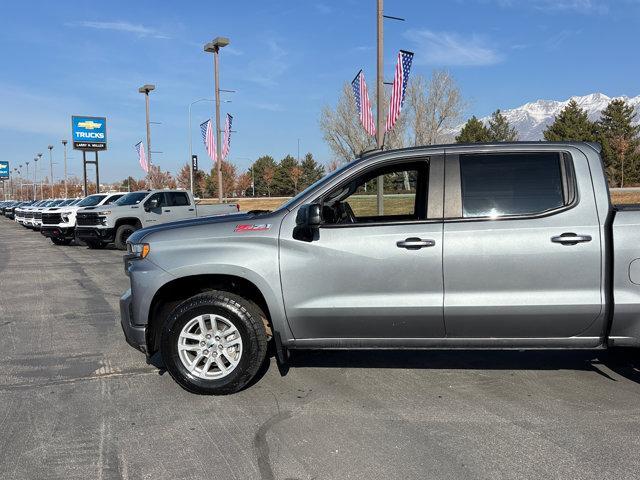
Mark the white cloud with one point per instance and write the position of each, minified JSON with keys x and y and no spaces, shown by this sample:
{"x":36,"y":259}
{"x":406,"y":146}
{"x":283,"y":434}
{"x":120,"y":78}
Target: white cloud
{"x":269,"y":65}
{"x":121,"y":26}
{"x":578,"y":6}
{"x":451,"y":49}
{"x":323,"y":8}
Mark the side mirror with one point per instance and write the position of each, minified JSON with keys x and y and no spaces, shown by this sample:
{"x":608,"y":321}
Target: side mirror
{"x":308,"y":221}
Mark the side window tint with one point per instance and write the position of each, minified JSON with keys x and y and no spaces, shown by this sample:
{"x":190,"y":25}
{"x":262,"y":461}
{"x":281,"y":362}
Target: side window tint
{"x":112,"y":199}
{"x":158,"y":199}
{"x":404,"y":196}
{"x":178,"y":199}
{"x":496,"y":185}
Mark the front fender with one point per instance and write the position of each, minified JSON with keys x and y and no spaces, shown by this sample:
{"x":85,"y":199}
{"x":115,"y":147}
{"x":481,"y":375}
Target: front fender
{"x":251,"y":256}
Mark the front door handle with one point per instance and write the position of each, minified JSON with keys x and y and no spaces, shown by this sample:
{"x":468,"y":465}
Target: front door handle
{"x":571,"y":238}
{"x":415,"y":243}
{"x":167,"y":211}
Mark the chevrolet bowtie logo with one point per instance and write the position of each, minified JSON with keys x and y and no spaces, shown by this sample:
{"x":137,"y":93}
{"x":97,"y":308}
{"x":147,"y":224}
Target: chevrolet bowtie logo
{"x":89,"y":124}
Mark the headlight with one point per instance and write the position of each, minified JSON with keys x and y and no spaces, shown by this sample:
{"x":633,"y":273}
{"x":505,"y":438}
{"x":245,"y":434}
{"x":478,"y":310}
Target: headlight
{"x":106,"y":212}
{"x":65,"y":214}
{"x":138,"y":250}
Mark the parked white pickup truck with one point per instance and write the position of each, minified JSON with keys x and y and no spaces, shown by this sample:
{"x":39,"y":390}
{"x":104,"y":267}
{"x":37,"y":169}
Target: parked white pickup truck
{"x":59,"y":224}
{"x":100,"y":226}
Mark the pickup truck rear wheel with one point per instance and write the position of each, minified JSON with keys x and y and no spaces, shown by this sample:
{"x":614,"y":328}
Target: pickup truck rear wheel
{"x":122,"y":233}
{"x":214,"y":343}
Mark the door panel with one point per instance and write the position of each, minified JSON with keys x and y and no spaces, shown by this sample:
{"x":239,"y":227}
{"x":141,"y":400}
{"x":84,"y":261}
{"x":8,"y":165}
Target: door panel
{"x":355,"y":282}
{"x":506,"y":278}
{"x":370,"y":274}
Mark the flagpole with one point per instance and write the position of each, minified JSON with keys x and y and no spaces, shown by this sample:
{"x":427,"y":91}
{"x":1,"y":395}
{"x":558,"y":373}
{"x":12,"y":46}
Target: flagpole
{"x":379,"y":102}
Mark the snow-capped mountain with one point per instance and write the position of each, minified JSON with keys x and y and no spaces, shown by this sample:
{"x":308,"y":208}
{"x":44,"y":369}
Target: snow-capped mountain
{"x":531,"y":119}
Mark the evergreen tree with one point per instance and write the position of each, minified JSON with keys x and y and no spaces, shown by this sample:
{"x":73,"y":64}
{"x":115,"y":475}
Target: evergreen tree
{"x":473,"y":131}
{"x":500,"y":130}
{"x":312,"y":171}
{"x":571,"y":124}
{"x":283,"y":183}
{"x":264,"y":164}
{"x":619,"y":138}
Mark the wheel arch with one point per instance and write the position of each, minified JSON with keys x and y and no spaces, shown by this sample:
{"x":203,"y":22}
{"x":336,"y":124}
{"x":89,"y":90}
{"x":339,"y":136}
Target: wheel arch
{"x":133,"y":221}
{"x":175,"y":291}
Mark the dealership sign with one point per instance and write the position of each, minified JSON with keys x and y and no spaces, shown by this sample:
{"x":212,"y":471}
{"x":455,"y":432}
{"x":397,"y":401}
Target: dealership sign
{"x":4,"y":170}
{"x":89,"y":133}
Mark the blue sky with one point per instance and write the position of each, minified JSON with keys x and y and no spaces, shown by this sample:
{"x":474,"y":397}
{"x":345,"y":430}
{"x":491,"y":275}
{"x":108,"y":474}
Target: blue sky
{"x":286,"y":60}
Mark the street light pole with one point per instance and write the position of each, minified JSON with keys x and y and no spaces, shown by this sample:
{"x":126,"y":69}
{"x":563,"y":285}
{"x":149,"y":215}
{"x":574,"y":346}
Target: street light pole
{"x":214,"y":47}
{"x":191,"y":139}
{"x":146,"y":89}
{"x":66,"y":192}
{"x":50,"y":147}
{"x":35,"y":177}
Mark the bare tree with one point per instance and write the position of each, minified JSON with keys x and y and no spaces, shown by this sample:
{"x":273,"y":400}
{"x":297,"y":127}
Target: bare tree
{"x":434,"y":107}
{"x":267,"y":175}
{"x":431,"y":109}
{"x":295,"y":174}
{"x":342,"y":130}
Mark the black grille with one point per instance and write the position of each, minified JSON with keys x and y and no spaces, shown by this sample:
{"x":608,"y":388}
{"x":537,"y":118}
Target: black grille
{"x":87,"y":218}
{"x":28,"y":214}
{"x":37,"y":215}
{"x":51,"y":218}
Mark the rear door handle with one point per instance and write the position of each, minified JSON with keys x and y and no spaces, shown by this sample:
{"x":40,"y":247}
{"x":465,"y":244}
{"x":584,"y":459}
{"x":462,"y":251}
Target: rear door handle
{"x":167,"y":211}
{"x":571,"y":238}
{"x":415,"y":243}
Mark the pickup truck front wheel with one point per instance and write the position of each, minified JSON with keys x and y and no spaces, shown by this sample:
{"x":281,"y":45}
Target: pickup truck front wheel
{"x":214,"y":343}
{"x":122,"y":233}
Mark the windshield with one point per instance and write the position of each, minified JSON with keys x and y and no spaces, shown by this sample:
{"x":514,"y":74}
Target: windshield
{"x":75,"y":201}
{"x":131,"y":198}
{"x":91,"y":201}
{"x":65,"y":203}
{"x":315,"y":185}
{"x":55,"y":203}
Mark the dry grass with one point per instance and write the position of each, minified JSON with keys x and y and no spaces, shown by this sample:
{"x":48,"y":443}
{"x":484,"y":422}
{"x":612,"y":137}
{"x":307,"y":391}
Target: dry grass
{"x":367,"y":205}
{"x":623,"y":198}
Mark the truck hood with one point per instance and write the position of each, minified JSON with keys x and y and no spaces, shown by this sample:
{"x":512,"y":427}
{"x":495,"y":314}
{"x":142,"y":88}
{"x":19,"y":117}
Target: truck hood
{"x":231,"y":220}
{"x":113,"y":208}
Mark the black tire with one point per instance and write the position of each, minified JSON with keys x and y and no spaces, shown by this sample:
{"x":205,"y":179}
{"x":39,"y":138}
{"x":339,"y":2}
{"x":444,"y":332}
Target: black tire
{"x":95,"y":244}
{"x":243,"y":314}
{"x":61,"y":241}
{"x":122,"y":233}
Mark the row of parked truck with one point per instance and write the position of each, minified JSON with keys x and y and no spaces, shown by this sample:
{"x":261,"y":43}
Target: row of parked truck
{"x":103,"y":218}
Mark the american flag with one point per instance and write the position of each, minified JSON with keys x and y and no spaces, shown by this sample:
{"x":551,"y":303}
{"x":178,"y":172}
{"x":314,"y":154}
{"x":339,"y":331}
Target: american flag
{"x":362,"y":103}
{"x":206,"y":128}
{"x":227,"y":137}
{"x":399,"y":86}
{"x":142,"y":157}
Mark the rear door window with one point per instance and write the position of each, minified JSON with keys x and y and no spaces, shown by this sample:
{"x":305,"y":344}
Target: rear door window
{"x":178,"y":199}
{"x":496,"y":185}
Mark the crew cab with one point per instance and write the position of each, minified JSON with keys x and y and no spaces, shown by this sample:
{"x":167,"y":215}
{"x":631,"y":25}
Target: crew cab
{"x":100,"y":226}
{"x":509,"y":246}
{"x":59,"y":224}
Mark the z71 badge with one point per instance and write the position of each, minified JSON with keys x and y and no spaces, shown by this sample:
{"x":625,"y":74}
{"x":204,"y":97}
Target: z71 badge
{"x":253,"y":228}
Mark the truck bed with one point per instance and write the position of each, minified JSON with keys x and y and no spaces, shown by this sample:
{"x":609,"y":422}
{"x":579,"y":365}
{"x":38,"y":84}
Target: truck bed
{"x":625,"y":326}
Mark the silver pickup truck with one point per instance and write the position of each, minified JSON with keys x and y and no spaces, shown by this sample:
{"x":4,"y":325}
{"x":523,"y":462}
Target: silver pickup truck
{"x":475,"y":246}
{"x":101,"y":225}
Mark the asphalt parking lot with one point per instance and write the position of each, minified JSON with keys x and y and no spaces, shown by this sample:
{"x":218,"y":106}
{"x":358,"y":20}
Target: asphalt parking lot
{"x":77,"y":402}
